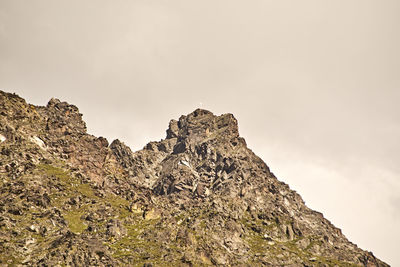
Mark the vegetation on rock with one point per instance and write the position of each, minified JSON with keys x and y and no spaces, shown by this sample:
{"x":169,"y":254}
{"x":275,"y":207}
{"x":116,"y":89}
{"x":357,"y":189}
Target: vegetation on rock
{"x":200,"y":197}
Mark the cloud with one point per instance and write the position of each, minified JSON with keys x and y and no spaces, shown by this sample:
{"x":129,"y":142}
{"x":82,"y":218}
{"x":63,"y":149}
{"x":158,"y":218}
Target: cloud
{"x":313,"y":84}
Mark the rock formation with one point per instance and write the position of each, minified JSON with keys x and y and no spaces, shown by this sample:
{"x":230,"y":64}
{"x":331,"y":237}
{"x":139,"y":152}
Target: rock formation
{"x":199,"y":197}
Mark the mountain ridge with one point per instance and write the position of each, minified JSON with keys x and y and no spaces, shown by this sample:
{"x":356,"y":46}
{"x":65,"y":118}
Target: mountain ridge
{"x":198,"y":197}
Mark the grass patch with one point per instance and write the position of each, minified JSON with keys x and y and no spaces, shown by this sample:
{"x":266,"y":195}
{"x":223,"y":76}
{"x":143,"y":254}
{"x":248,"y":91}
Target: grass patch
{"x":135,"y":246}
{"x":75,"y":223}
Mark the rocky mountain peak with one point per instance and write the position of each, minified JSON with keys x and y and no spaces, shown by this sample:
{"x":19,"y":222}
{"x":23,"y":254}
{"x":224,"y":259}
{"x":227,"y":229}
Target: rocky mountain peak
{"x":199,"y":155}
{"x":64,"y":118}
{"x":200,"y":197}
{"x":201,"y":126}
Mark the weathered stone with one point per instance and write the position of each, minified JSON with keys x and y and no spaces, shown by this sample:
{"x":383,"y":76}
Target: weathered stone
{"x":115,"y":228}
{"x":199,"y":197}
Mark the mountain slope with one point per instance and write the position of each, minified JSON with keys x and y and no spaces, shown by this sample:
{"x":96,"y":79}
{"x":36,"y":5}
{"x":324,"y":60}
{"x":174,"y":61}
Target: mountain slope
{"x":199,"y":197}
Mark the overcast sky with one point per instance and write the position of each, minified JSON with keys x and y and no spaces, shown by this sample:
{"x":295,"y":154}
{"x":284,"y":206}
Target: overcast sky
{"x":315,"y":86}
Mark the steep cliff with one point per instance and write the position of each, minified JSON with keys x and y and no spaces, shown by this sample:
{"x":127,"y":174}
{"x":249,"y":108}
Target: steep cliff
{"x":199,"y":197}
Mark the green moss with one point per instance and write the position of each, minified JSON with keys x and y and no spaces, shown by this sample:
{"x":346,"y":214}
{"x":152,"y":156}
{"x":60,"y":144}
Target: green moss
{"x":71,"y":185}
{"x":75,"y":223}
{"x":260,"y":246}
{"x":257,"y":244}
{"x":10,"y":260}
{"x":51,"y":170}
{"x":118,"y":203}
{"x":86,"y":190}
{"x":134,"y":245}
{"x":180,"y":217}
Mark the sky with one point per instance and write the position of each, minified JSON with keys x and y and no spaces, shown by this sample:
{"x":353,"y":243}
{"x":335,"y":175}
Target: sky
{"x":314,"y":84}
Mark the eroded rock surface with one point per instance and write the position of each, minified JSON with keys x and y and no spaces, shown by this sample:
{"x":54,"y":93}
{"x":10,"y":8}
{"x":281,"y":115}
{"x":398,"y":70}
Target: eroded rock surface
{"x":199,"y":197}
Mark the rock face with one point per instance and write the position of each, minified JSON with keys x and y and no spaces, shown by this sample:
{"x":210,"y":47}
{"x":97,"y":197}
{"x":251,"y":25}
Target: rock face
{"x":199,"y":197}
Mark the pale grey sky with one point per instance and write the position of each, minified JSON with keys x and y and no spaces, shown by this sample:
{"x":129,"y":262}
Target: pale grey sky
{"x":315,"y":86}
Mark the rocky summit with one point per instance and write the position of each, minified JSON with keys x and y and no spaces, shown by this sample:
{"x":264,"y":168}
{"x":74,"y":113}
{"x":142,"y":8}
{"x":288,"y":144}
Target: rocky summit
{"x":199,"y":197}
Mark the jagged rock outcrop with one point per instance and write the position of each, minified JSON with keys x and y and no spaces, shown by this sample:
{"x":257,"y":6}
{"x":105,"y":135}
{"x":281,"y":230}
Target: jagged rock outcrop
{"x":199,"y":197}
